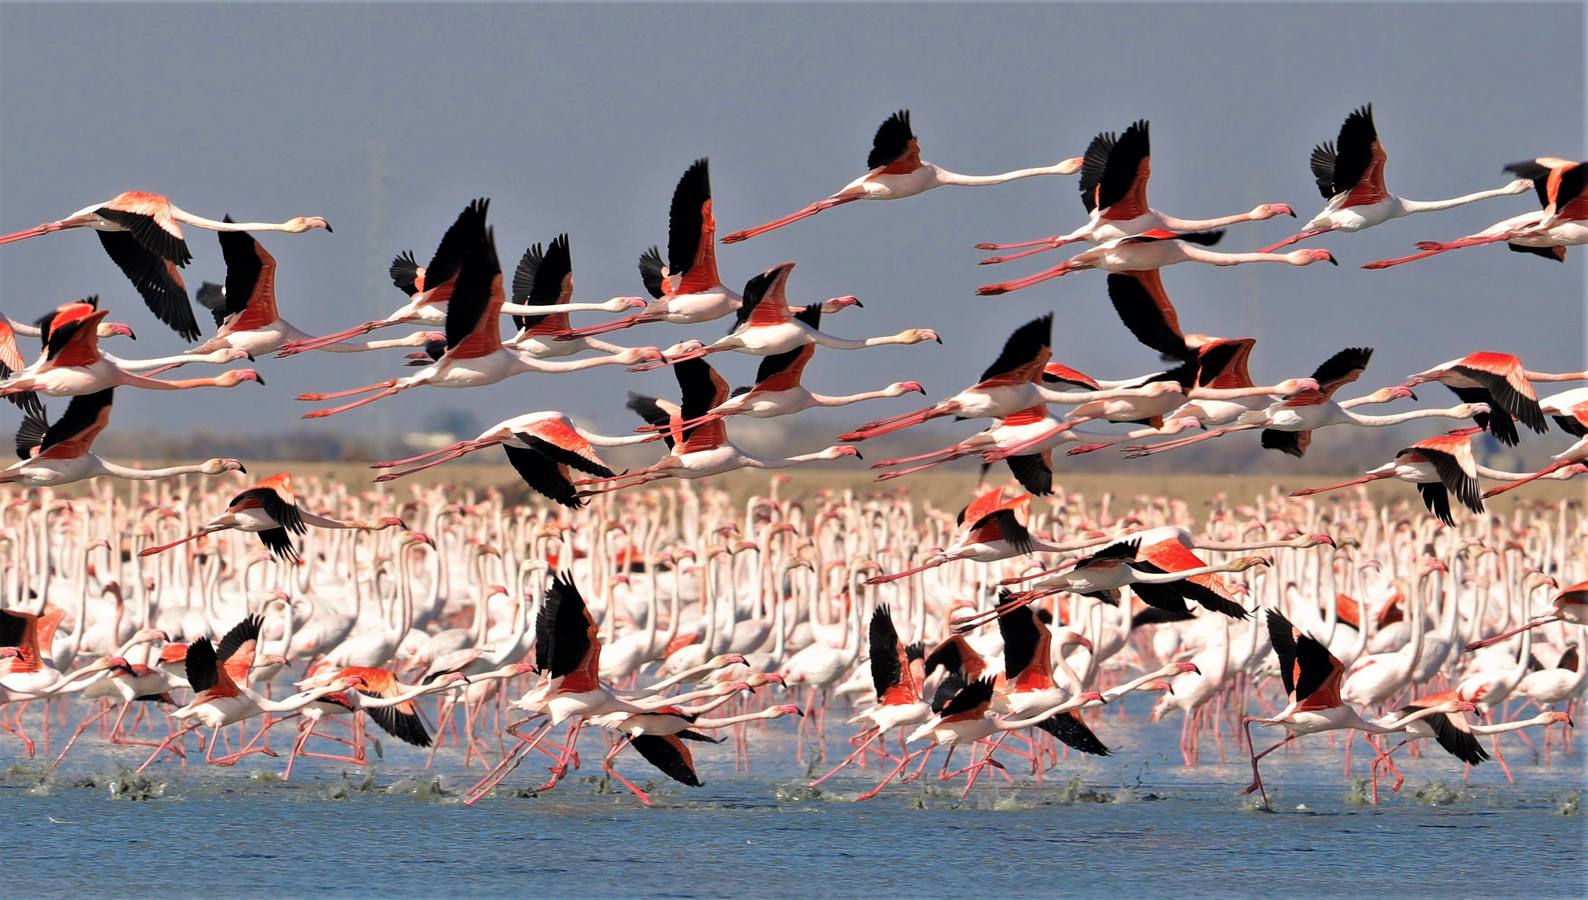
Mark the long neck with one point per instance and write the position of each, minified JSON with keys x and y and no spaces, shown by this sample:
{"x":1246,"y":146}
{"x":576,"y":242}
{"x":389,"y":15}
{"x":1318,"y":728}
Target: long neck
{"x":946,"y":177}
{"x":1503,"y":727}
{"x":1499,"y":475}
{"x":1537,"y":376}
{"x":292,"y":703}
{"x":1422,"y":206}
{"x":846,"y":399}
{"x":735,"y":720}
{"x":1381,"y":421}
{"x":1213,"y":257}
{"x":1393,"y":725}
{"x":603,"y":440}
{"x":1175,"y":224}
{"x":150,"y":474}
{"x":182,"y":215}
{"x":1207,"y":393}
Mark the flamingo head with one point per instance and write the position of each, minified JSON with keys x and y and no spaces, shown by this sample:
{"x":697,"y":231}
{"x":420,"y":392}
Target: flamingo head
{"x":1270,"y":210}
{"x":385,"y":522}
{"x":759,"y":679}
{"x":300,"y":224}
{"x":918,"y":336}
{"x":899,"y":388}
{"x":1560,"y":717}
{"x":116,"y":329}
{"x":238,"y":376}
{"x":1290,"y":387}
{"x":1249,"y":562}
{"x":217,"y":466}
{"x":786,"y":710}
{"x":836,"y":303}
{"x":1317,"y":540}
{"x":843,"y":450}
{"x":1092,"y":697}
{"x":727,"y":659}
{"x":1185,"y":667}
{"x":1161,"y":684}
{"x":419,"y":537}
{"x":1310,"y":256}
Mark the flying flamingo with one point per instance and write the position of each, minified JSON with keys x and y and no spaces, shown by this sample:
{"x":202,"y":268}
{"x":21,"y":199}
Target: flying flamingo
{"x":1570,"y":605}
{"x":270,"y":509}
{"x":142,"y":234}
{"x":686,"y":288}
{"x":1017,"y":380}
{"x":1164,"y":575}
{"x":474,"y":353}
{"x":1440,"y":467}
{"x":1350,"y":175}
{"x":1496,"y":379}
{"x":658,"y":735}
{"x":777,"y":391}
{"x":896,"y":172}
{"x":1570,"y":411}
{"x":1457,"y":736}
{"x":1113,"y":184}
{"x":989,"y":530}
{"x":1311,"y":675}
{"x":698,"y":451}
{"x":245,"y":311}
{"x":544,"y":281}
{"x":1153,"y":250}
{"x":62,"y":453}
{"x":1288,"y":424}
{"x":72,"y":364}
{"x":429,"y":287}
{"x":765,"y":325}
{"x":1561,"y":223}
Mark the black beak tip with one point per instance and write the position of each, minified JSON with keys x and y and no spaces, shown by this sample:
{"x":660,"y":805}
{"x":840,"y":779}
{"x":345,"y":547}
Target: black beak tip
{"x":330,"y":230}
{"x":260,"y":378}
{"x":242,"y":468}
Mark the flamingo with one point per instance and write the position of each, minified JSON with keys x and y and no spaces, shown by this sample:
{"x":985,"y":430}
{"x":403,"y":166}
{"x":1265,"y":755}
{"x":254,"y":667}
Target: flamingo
{"x":1440,"y":467}
{"x":1496,"y":379}
{"x":1561,"y":223}
{"x":72,"y":364}
{"x":989,"y":530}
{"x":429,"y":287}
{"x":765,"y":326}
{"x":475,"y":354}
{"x":142,"y":235}
{"x":896,"y":171}
{"x":777,"y":391}
{"x":1570,"y":605}
{"x":1569,"y":410}
{"x":244,"y":307}
{"x":1350,"y":175}
{"x":659,"y":735}
{"x":1288,"y":424}
{"x":1311,"y":676}
{"x":1017,"y":380}
{"x":1457,"y":736}
{"x":218,"y":700}
{"x":897,"y":671}
{"x":62,"y":453}
{"x":1153,"y":250}
{"x":686,"y":288}
{"x":1114,"y":176}
{"x":1164,"y":575}
{"x":270,"y":509}
{"x":700,"y":451}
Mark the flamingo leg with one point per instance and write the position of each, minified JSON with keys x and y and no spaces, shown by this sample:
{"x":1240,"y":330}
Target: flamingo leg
{"x":892,"y":774}
{"x":349,"y":392}
{"x":873,"y":733}
{"x":1296,"y":238}
{"x":81,"y":727}
{"x":1365,"y":479}
{"x":791,"y":218}
{"x":1136,"y":451}
{"x":1020,"y":447}
{"x":322,"y":413}
{"x":606,"y":766}
{"x":1063,"y":268}
{"x":1052,"y":243}
{"x":896,"y":576}
{"x":293,"y":348}
{"x":1434,"y":248}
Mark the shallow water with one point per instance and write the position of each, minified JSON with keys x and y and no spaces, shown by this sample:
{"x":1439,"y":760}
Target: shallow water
{"x":1135,"y":824}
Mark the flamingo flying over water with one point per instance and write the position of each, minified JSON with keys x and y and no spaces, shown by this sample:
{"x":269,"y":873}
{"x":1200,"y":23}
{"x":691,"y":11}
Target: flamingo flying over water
{"x":896,"y":171}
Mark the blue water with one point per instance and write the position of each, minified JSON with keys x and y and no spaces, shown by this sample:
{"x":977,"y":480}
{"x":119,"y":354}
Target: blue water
{"x":1136,"y":824}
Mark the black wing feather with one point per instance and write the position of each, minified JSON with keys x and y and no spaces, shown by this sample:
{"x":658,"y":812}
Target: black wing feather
{"x":543,"y":476}
{"x":160,"y":287}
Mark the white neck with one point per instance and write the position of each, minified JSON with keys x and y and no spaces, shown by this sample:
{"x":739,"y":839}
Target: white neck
{"x":150,"y":474}
{"x":944,"y":176}
{"x":188,"y":218}
{"x":1422,"y":206}
{"x":1380,"y":421}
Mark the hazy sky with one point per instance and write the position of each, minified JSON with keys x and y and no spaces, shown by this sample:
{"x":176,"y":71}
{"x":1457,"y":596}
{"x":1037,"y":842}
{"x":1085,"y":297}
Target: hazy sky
{"x":387,"y":119}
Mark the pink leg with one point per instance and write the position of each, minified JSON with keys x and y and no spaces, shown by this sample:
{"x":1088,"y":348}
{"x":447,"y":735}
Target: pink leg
{"x":789,"y":219}
{"x":1294,"y":239}
{"x":892,"y":774}
{"x":1052,"y":243}
{"x":1432,"y":248}
{"x":1064,"y":268}
{"x":860,"y":751}
{"x":346,"y":407}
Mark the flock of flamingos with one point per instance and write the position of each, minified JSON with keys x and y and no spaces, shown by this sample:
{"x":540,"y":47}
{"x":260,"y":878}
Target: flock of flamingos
{"x":668,"y":619}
